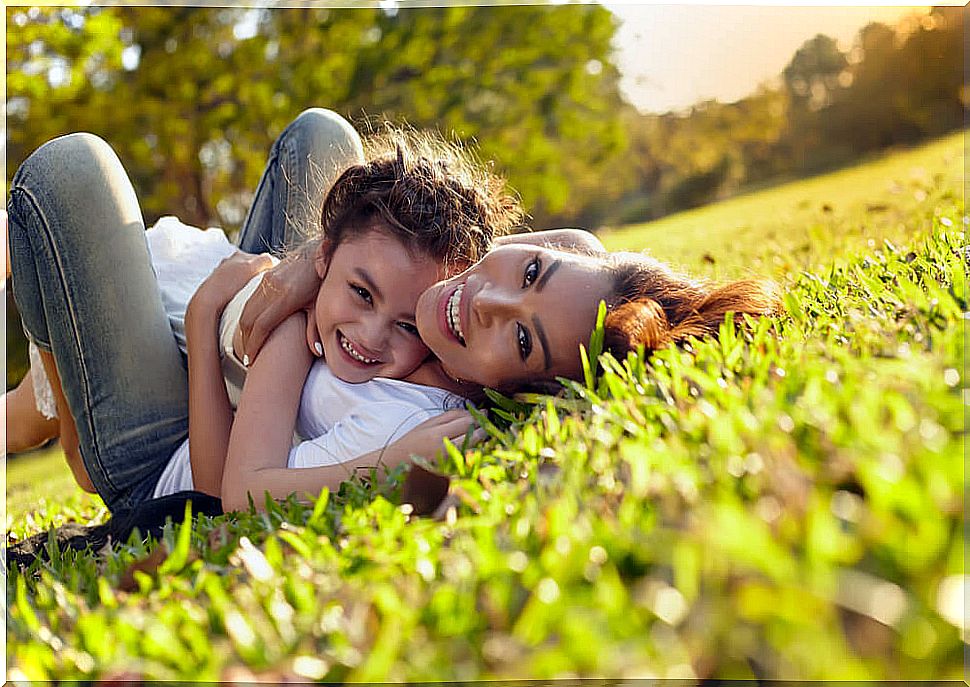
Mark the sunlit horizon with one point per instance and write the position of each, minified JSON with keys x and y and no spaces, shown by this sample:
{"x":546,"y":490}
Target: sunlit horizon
{"x":663,"y":51}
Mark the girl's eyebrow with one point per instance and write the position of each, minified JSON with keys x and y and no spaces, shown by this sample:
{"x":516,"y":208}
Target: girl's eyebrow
{"x":368,"y":282}
{"x":548,"y":273}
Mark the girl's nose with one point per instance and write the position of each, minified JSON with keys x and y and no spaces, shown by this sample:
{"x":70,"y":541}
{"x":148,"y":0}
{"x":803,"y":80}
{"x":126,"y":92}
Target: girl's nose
{"x":374,"y":334}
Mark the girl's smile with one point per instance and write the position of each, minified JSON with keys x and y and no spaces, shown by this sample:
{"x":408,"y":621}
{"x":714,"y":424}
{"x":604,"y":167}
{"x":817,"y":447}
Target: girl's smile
{"x":365,"y":307}
{"x":358,"y":353}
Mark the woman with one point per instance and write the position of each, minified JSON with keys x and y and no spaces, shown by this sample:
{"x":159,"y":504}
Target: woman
{"x":513,"y":319}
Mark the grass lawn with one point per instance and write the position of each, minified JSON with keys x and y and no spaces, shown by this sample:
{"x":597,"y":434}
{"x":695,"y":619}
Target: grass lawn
{"x":783,"y":503}
{"x":40,"y":482}
{"x":808,"y":223}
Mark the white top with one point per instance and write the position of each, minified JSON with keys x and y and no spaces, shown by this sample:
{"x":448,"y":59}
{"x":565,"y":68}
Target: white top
{"x":183,"y":257}
{"x":336,"y":421}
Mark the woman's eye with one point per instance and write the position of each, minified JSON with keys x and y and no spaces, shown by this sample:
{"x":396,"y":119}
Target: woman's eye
{"x":362,"y":293}
{"x":525,"y":341}
{"x":531,"y":272}
{"x":408,"y":327}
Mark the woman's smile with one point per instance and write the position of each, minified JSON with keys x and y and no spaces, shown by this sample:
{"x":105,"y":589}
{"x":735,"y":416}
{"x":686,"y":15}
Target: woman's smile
{"x":453,"y":311}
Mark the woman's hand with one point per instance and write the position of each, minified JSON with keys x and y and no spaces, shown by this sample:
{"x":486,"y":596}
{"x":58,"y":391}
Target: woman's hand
{"x":287,"y":288}
{"x":426,"y":439}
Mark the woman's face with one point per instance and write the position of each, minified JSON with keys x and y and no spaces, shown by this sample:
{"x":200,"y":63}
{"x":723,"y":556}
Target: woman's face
{"x":517,"y":315}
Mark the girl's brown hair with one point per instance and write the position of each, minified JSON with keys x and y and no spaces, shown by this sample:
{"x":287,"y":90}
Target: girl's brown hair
{"x":433,"y":195}
{"x":653,"y":306}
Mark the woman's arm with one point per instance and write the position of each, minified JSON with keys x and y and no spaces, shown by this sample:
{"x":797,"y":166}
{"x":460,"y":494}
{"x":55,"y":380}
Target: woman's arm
{"x":567,"y":239}
{"x":210,"y":414}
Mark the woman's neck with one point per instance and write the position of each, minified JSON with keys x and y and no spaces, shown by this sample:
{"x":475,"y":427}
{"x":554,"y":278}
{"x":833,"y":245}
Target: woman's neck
{"x":430,"y":373}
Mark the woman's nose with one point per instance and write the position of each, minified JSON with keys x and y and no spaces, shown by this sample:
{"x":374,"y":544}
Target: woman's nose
{"x":491,"y":302}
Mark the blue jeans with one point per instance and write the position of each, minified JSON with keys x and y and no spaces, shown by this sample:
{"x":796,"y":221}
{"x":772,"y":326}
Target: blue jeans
{"x":86,"y":290}
{"x":303,"y":164}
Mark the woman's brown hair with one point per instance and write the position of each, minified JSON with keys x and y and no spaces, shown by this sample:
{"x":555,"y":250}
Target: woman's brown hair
{"x":653,"y":306}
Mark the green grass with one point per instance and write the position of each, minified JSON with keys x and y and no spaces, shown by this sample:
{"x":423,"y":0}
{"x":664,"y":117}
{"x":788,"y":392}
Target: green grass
{"x":808,"y":223}
{"x":41,"y":492}
{"x":785,"y":502}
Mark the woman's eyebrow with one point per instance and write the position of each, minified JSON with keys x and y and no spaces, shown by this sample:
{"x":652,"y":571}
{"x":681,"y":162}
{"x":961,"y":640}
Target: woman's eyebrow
{"x":368,"y":282}
{"x":541,"y":333}
{"x":548,"y":273}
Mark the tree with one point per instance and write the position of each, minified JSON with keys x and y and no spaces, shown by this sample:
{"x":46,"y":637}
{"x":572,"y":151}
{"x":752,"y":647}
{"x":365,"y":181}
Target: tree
{"x":812,"y":76}
{"x":205,"y":90}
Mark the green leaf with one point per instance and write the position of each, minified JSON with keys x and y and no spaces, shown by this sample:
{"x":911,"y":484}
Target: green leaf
{"x":180,"y":553}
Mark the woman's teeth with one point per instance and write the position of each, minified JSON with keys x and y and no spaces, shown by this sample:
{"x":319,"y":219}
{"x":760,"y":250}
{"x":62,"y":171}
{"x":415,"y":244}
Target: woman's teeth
{"x":454,"y":320}
{"x":352,"y":352}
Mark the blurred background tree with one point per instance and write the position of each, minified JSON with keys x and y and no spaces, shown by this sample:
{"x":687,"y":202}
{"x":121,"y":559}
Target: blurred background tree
{"x":192,"y":98}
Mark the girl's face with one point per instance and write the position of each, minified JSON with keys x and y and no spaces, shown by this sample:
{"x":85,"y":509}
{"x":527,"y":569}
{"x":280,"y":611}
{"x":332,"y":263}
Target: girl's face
{"x":365,"y":307}
{"x":517,"y":315}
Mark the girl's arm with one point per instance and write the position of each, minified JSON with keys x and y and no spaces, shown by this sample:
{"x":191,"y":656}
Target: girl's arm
{"x":259,"y":444}
{"x":556,"y":238}
{"x":210,"y":414}
{"x":280,"y":482}
{"x":263,"y":431}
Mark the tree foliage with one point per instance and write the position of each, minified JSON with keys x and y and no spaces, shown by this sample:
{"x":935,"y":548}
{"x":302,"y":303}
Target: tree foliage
{"x":192,"y":97}
{"x":895,"y":86}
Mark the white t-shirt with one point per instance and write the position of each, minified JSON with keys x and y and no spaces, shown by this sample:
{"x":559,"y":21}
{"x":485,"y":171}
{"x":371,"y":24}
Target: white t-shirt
{"x":336,"y":421}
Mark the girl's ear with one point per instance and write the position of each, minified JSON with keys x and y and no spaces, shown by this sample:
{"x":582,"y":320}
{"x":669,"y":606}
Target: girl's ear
{"x":321,"y":257}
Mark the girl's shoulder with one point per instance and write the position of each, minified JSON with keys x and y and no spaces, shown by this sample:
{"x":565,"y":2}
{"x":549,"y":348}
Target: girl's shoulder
{"x":321,"y":380}
{"x":328,"y":402}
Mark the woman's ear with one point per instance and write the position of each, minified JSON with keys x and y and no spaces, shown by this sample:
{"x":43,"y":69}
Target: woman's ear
{"x":321,"y":257}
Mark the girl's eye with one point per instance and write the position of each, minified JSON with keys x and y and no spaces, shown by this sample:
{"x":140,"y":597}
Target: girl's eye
{"x":531,"y":272}
{"x":362,"y":293}
{"x":409,"y":328}
{"x":524,"y":341}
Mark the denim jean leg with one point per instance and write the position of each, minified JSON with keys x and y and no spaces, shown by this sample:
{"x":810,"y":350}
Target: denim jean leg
{"x":86,"y":291}
{"x":304,"y":161}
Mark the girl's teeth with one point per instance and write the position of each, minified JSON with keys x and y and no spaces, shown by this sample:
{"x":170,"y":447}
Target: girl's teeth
{"x":352,"y":352}
{"x":454,"y":319}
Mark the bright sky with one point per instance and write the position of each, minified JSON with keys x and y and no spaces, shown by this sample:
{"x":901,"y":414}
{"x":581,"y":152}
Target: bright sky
{"x":672,"y":56}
